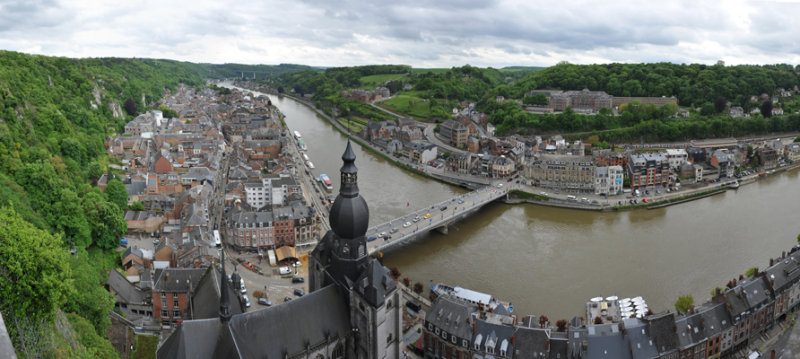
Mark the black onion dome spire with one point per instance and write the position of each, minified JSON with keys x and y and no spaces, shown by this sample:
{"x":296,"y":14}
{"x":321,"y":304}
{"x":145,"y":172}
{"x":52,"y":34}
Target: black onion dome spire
{"x":349,"y":215}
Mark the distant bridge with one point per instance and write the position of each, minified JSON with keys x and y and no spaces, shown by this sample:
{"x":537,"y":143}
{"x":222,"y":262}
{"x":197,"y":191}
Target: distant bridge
{"x":411,"y":226}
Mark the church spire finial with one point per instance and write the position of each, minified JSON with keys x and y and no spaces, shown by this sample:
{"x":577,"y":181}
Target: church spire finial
{"x":224,"y":304}
{"x":349,"y":173}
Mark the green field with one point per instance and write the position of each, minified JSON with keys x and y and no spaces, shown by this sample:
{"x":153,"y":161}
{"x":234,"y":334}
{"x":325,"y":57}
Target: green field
{"x":355,"y":124}
{"x":372,"y":81}
{"x":408,"y":105}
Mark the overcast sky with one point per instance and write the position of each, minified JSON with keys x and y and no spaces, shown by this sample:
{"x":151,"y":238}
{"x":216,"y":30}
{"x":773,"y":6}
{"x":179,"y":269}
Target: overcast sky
{"x":436,"y":33}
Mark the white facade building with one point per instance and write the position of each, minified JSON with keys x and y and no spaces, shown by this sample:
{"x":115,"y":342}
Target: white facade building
{"x":676,"y":157}
{"x":608,"y":180}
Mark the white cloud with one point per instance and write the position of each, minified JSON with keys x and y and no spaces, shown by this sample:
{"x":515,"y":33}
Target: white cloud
{"x":419,"y":33}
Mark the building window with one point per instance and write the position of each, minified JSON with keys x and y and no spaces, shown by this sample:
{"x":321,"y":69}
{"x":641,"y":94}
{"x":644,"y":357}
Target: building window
{"x":163,"y":303}
{"x":175,"y":303}
{"x":176,"y":313}
{"x":389,"y":338}
{"x":453,"y":339}
{"x":164,"y":313}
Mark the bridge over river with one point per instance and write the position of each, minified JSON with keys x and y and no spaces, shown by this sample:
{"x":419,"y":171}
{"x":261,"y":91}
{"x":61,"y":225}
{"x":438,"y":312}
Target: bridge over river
{"x":438,"y":217}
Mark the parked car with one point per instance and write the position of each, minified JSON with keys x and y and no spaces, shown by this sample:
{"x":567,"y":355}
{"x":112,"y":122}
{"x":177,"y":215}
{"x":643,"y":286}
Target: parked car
{"x":246,"y":301}
{"x":460,"y":200}
{"x":286,"y":299}
{"x":299,"y":292}
{"x":298,"y":280}
{"x":265,"y":301}
{"x":407,"y":224}
{"x":383,"y":235}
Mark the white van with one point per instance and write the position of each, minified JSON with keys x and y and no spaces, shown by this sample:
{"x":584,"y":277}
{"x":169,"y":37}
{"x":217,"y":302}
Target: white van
{"x":572,"y":198}
{"x":585,"y":200}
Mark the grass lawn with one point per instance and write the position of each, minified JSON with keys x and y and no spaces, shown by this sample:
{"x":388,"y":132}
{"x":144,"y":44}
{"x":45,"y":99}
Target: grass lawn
{"x":408,"y":105}
{"x":372,"y":81}
{"x":146,"y":346}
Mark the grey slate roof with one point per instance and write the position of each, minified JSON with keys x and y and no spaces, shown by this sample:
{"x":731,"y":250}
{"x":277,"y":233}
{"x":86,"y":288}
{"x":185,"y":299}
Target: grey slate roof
{"x":273,"y":332}
{"x":125,"y":291}
{"x":136,"y":188}
{"x":499,"y":334}
{"x":606,"y":343}
{"x":531,"y":343}
{"x":375,"y":284}
{"x":638,"y":339}
{"x":756,"y":291}
{"x":177,"y":281}
{"x":783,"y":273}
{"x":205,"y":301}
{"x":451,"y":315}
{"x":690,"y":330}
{"x":663,"y":331}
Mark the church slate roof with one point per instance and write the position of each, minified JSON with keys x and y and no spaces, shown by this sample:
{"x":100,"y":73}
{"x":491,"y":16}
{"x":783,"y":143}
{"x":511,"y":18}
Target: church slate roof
{"x":205,"y":301}
{"x":273,"y":332}
{"x":375,"y":284}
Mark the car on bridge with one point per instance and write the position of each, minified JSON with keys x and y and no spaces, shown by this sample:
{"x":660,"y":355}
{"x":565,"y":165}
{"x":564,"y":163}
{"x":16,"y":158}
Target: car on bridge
{"x":460,"y":200}
{"x":372,"y":238}
{"x":427,"y":216}
{"x":407,"y":224}
{"x":416,"y":219}
{"x":443,"y":207}
{"x":394,"y":230}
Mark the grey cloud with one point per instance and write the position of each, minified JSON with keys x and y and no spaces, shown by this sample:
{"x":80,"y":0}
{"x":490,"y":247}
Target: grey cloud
{"x":23,"y":16}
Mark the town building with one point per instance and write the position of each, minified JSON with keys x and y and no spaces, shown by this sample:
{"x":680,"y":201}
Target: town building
{"x":421,"y":151}
{"x":566,"y":173}
{"x":648,"y":170}
{"x":608,"y":180}
{"x":676,"y":158}
{"x":454,"y":133}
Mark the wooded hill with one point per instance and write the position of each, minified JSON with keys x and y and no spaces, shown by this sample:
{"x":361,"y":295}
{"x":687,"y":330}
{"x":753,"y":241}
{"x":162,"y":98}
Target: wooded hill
{"x":58,"y":232}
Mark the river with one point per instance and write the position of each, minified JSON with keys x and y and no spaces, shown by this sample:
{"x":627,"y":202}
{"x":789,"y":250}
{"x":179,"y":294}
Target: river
{"x":550,"y":261}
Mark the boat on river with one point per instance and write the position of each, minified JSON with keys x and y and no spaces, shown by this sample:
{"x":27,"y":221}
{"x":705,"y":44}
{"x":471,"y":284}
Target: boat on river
{"x":325,"y":181}
{"x":473,"y":297}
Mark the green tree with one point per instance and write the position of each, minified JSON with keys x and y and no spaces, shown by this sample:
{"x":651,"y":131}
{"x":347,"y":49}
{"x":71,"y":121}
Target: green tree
{"x":167,"y":112}
{"x":105,"y":219}
{"x":136,"y":206}
{"x":130,"y":107}
{"x":750,"y":272}
{"x":766,"y":108}
{"x":34,"y":274}
{"x":66,"y":215}
{"x":116,"y":193}
{"x":684,"y":303}
{"x":90,"y":299}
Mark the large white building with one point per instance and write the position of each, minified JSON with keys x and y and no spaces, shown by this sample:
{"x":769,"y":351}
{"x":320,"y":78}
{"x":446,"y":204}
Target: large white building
{"x":608,"y":180}
{"x":676,"y":158}
{"x":272,"y":190}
